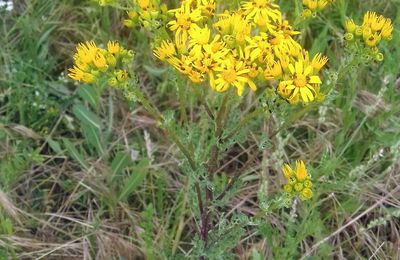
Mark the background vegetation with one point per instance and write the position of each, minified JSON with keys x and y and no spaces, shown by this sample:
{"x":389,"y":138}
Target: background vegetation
{"x":84,"y":177}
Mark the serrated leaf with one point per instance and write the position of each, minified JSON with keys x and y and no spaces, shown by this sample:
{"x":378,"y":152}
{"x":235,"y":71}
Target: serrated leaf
{"x":93,"y":137}
{"x":86,"y":116}
{"x":120,"y":161}
{"x":138,"y":174}
{"x":89,"y":94}
{"x":74,"y":153}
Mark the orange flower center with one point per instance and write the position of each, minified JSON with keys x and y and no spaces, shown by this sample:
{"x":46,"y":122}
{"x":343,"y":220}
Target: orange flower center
{"x":229,"y":75}
{"x":300,"y":80}
{"x":184,"y":21}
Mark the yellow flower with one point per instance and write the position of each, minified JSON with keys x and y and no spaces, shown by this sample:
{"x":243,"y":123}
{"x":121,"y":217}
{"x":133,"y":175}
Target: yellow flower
{"x":372,"y":40}
{"x":316,"y":5}
{"x":265,"y":24}
{"x":209,"y":60}
{"x":301,"y":171}
{"x":99,"y":60}
{"x":145,"y":5}
{"x":311,"y":4}
{"x":287,"y":29}
{"x":166,"y":50}
{"x":374,"y":28}
{"x":261,"y":9}
{"x":322,"y":4}
{"x":350,"y":26}
{"x":299,"y":181}
{"x":287,"y":171}
{"x":195,"y":76}
{"x":113,"y":47}
{"x":93,"y":63}
{"x":198,"y":38}
{"x":207,"y":7}
{"x":273,"y":71}
{"x":302,"y":83}
{"x":184,"y":65}
{"x":233,"y":73}
{"x":319,"y":61}
{"x":76,"y":73}
{"x":234,"y":28}
{"x":85,"y":52}
{"x":387,"y":29}
{"x":241,"y":45}
{"x":79,"y":75}
{"x":378,"y":26}
{"x":185,"y":21}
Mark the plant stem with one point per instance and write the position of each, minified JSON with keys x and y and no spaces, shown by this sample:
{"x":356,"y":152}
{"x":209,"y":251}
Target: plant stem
{"x":212,"y":166}
{"x":136,"y":92}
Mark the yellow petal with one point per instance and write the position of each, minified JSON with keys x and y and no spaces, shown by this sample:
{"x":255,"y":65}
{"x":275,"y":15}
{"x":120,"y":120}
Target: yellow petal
{"x":315,"y":80}
{"x":301,"y":171}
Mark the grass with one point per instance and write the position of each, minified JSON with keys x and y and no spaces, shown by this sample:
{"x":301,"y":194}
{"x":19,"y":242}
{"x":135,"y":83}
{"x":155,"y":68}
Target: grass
{"x":114,"y":188}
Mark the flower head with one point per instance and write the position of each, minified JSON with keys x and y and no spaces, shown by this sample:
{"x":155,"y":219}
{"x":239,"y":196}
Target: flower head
{"x":92,"y":63}
{"x":233,"y":73}
{"x":185,"y":20}
{"x":302,"y":83}
{"x":372,"y":31}
{"x":165,"y":50}
{"x":299,"y":181}
{"x":244,"y":46}
{"x":113,"y":47}
{"x":261,"y":9}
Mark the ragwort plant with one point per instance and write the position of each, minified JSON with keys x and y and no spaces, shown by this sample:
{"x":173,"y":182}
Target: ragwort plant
{"x":225,"y":53}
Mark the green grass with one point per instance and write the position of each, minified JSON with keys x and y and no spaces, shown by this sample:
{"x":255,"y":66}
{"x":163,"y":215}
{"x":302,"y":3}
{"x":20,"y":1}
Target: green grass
{"x":71,"y":185}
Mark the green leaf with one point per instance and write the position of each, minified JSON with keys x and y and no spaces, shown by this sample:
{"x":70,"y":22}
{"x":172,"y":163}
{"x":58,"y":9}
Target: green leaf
{"x":255,"y":255}
{"x":138,"y":174}
{"x":73,"y":152}
{"x":93,"y":137}
{"x":155,"y":71}
{"x":86,"y":116}
{"x":320,"y":43}
{"x":55,"y":146}
{"x":120,"y":161}
{"x":89,"y":94}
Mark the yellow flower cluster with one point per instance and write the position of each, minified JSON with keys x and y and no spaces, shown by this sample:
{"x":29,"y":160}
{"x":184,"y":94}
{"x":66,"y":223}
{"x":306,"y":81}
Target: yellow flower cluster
{"x":240,"y":47}
{"x":93,"y":63}
{"x":373,"y":29}
{"x":312,"y":6}
{"x":147,"y":13}
{"x":299,"y":181}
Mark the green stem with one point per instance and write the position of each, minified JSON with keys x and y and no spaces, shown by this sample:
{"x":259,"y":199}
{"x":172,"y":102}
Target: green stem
{"x":182,"y":101}
{"x":134,"y":92}
{"x":220,"y":122}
